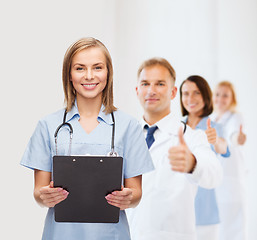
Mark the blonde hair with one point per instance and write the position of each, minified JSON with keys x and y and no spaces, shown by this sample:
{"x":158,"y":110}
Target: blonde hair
{"x":69,"y":91}
{"x":157,"y":61}
{"x":229,"y":85}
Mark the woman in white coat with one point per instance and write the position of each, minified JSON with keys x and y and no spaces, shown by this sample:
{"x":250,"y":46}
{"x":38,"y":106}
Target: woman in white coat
{"x":196,"y":106}
{"x":231,"y":195}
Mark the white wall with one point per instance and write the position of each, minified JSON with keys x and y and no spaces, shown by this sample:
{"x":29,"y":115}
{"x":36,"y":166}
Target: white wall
{"x":215,"y":39}
{"x":237,"y":61}
{"x":184,"y":32}
{"x":34,"y":38}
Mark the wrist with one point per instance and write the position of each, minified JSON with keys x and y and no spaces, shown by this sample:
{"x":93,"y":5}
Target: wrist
{"x":193,"y":164}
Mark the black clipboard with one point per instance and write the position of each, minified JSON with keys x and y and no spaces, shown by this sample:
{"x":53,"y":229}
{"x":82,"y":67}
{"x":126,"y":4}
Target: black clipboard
{"x":88,"y":179}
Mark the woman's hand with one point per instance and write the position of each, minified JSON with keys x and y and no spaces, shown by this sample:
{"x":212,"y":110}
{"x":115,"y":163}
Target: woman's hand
{"x":219,"y":144}
{"x":211,"y":133}
{"x":51,"y":196}
{"x":44,"y":192}
{"x":241,"y":136}
{"x":121,"y":199}
{"x":129,"y":196}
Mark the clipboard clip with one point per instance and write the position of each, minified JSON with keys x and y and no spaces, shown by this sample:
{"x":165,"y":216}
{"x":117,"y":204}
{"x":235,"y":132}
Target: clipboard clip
{"x":112,"y":154}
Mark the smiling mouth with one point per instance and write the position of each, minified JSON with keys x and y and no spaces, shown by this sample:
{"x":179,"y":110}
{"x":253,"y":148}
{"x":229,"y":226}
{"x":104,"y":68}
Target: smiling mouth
{"x":151,"y":100}
{"x":90,"y":85}
{"x":191,"y":105}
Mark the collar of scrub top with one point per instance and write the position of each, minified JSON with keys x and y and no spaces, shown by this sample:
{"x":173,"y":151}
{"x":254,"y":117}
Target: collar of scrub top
{"x":168,"y":125}
{"x":202,"y":124}
{"x":107,"y":118}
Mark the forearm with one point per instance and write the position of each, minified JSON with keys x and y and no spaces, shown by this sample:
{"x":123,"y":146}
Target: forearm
{"x":136,"y":197}
{"x":208,"y":170}
{"x":220,"y":146}
{"x":134,"y":184}
{"x":37,"y":198}
{"x":41,"y":179}
{"x":192,"y":164}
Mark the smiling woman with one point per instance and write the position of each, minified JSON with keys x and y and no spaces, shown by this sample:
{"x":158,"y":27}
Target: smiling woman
{"x":196,"y":106}
{"x":88,"y":88}
{"x":233,"y":206}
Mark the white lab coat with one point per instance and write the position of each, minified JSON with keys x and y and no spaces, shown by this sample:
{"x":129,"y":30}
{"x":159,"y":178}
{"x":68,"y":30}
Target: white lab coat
{"x":231,"y":194}
{"x":166,"y":210}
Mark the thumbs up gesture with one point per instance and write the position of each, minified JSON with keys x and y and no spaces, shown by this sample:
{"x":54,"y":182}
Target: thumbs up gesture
{"x":181,"y":158}
{"x":211,"y":133}
{"x":241,"y":136}
{"x":219,"y":144}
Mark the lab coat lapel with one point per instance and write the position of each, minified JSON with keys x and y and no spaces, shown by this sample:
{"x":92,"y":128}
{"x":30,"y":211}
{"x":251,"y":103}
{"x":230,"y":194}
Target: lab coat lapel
{"x":169,"y":127}
{"x":160,"y":141}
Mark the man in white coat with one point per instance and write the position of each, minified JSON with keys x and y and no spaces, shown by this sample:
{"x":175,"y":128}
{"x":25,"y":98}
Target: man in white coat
{"x":182,"y":158}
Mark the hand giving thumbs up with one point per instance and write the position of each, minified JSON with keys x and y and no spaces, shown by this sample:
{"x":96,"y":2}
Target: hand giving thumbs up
{"x":241,"y":136}
{"x":211,"y":133}
{"x":181,"y":158}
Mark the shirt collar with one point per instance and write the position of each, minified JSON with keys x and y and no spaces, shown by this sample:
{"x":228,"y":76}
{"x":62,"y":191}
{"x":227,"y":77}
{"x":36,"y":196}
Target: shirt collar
{"x":201,"y":125}
{"x":73,"y":112}
{"x":107,"y":118}
{"x":169,"y":124}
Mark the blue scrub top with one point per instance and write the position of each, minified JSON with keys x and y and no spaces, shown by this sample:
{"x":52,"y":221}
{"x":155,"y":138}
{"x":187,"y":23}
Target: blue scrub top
{"x":129,"y":144}
{"x":206,"y":209}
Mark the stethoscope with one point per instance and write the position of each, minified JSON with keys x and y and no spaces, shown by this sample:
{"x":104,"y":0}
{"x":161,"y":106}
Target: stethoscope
{"x":64,"y":123}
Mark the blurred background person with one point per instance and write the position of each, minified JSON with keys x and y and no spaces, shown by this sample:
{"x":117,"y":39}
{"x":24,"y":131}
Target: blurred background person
{"x":196,"y":106}
{"x":231,"y":195}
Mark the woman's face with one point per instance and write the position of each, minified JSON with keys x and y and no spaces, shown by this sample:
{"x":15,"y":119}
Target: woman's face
{"x":89,"y":73}
{"x":192,"y":99}
{"x":222,"y":99}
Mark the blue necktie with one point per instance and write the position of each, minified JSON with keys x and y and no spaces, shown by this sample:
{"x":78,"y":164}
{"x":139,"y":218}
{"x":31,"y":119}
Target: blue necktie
{"x":149,"y":137}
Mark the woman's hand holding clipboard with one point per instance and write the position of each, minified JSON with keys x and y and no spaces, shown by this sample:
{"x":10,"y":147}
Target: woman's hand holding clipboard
{"x":121,"y":199}
{"x":51,"y":196}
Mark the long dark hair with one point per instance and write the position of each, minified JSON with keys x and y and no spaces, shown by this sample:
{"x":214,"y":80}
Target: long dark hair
{"x":206,"y":93}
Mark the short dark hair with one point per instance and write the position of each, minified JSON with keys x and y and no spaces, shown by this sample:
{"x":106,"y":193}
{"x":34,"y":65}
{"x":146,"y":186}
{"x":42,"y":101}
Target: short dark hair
{"x":206,"y":93}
